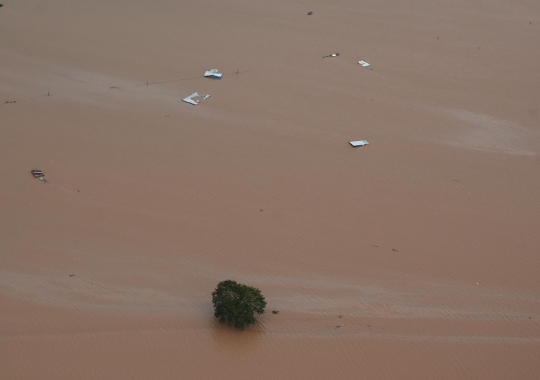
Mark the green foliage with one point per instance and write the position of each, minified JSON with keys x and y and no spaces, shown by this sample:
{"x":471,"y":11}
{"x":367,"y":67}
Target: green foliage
{"x":275,"y":311}
{"x":1,"y":5}
{"x":236,"y":304}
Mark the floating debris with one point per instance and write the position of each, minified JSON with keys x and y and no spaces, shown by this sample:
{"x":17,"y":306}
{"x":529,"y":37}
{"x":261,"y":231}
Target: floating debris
{"x":359,"y":143}
{"x":331,"y":55}
{"x":364,"y":63}
{"x":190,"y":99}
{"x":310,"y":13}
{"x":213,"y":73}
{"x":37,"y":173}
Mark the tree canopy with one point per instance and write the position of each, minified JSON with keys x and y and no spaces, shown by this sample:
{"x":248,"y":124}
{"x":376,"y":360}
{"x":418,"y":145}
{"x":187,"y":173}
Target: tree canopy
{"x":236,"y":304}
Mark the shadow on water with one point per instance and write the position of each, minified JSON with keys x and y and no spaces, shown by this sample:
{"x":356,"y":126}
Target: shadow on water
{"x":235,"y":340}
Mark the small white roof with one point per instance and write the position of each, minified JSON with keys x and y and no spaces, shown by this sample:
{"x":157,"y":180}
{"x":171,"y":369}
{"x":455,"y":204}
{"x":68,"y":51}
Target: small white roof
{"x":359,"y":143}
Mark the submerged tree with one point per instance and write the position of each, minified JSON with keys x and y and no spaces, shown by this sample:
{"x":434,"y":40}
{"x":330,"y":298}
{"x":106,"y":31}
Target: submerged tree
{"x":236,"y":304}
